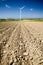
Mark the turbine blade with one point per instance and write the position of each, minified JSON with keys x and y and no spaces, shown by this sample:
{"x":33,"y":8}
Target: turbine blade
{"x":22,"y":7}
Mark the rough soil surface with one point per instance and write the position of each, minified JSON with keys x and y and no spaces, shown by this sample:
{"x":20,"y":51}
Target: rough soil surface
{"x":21,"y":43}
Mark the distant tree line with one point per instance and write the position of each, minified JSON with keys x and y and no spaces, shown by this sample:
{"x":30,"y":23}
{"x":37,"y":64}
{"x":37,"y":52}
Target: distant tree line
{"x":37,"y":19}
{"x":4,"y":20}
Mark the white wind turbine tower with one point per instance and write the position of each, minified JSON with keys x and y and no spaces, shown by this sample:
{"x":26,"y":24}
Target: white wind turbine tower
{"x":21,"y":11}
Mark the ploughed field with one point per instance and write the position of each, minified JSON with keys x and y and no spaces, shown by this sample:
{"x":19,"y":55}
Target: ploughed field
{"x":21,"y":43}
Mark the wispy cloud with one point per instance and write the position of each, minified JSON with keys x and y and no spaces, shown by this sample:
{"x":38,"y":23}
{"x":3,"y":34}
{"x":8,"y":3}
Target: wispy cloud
{"x":2,"y":0}
{"x":31,"y":9}
{"x":7,"y":6}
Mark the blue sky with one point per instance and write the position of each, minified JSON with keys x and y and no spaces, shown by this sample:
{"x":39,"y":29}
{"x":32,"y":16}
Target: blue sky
{"x":10,"y":8}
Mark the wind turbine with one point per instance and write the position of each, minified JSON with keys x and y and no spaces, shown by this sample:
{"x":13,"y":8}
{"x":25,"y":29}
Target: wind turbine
{"x":21,"y":11}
